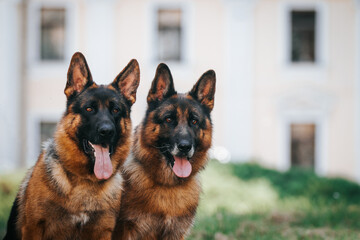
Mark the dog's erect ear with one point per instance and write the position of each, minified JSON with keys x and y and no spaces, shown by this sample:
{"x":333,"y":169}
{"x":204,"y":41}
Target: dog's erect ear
{"x":162,"y":86}
{"x":128,"y":80}
{"x":78,"y":76}
{"x":204,"y":89}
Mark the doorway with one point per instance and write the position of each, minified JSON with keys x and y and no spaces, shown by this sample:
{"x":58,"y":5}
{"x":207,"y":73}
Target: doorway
{"x":302,"y":145}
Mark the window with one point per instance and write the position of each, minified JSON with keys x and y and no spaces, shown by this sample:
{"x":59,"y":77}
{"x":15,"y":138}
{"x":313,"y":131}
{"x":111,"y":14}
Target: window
{"x":303,"y":34}
{"x":52,"y":39}
{"x":169,"y":42}
{"x":303,"y":145}
{"x":47,"y":130}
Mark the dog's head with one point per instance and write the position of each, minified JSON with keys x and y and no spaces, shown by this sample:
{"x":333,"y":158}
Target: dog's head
{"x":178,"y":127}
{"x":98,"y":117}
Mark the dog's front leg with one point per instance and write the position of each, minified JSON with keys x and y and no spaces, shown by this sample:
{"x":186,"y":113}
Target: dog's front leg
{"x":102,"y":228}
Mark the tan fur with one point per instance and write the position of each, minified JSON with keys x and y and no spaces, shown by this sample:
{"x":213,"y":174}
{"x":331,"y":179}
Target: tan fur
{"x":162,"y":206}
{"x":158,"y":201}
{"x":52,"y":212}
{"x":61,"y":198}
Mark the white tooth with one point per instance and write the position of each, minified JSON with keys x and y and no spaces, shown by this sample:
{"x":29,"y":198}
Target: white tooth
{"x":191,"y":152}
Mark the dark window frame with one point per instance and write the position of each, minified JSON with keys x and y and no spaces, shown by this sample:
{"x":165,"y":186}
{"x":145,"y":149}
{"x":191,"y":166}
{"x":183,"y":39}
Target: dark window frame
{"x":46,"y":131}
{"x":47,"y":29}
{"x":303,"y":36}
{"x":162,"y":29}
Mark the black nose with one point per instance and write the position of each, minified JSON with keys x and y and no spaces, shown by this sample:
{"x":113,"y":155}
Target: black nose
{"x":106,"y":130}
{"x":184,"y":146}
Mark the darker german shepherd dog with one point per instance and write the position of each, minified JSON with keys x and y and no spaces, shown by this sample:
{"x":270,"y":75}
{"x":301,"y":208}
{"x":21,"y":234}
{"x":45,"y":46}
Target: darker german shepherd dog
{"x":161,"y":190}
{"x":74,"y":190}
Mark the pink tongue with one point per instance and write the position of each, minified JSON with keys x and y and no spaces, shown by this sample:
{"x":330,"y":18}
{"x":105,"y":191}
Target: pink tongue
{"x":103,"y":167}
{"x":182,"y":167}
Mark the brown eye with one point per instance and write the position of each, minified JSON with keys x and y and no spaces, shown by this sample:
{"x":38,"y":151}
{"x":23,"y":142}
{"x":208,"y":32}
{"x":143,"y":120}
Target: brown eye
{"x":194,"y":121}
{"x":115,"y":110}
{"x":168,"y":119}
{"x":89,"y":109}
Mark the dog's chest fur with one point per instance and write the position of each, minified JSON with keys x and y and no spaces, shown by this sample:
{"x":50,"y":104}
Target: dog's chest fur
{"x":80,"y":219}
{"x":161,"y":227}
{"x":81,"y":196}
{"x":158,"y":209}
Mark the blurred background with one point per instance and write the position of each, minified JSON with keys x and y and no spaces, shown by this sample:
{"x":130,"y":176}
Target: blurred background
{"x":287,"y":98}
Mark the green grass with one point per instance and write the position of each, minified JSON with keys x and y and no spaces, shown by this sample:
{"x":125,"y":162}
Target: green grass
{"x":9,"y":185}
{"x":246,"y":201}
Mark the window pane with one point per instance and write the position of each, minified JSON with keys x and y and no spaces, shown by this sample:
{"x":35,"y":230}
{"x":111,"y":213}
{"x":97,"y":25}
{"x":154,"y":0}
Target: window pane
{"x":52,"y":33}
{"x":47,"y":130}
{"x":169,"y":34}
{"x":303,"y":36}
{"x":303,"y":145}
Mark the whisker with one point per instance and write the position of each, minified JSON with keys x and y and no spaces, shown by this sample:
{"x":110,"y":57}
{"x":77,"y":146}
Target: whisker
{"x":163,"y":146}
{"x":164,"y":151}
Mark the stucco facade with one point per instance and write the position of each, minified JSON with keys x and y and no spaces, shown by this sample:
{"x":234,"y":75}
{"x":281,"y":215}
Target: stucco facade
{"x":260,"y":92}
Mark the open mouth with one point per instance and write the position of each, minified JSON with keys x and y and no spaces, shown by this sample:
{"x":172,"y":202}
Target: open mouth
{"x":101,"y":153}
{"x":181,"y":166}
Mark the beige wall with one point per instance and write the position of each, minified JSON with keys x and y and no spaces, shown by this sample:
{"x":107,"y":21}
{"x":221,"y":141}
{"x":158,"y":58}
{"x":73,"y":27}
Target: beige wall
{"x":335,"y":79}
{"x":327,"y":89}
{"x":132,"y":40}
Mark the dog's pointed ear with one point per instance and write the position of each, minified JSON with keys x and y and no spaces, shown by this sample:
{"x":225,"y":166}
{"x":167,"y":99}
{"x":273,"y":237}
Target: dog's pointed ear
{"x":162,"y":86}
{"x":78,"y":76}
{"x":204,"y":89}
{"x":128,"y":81}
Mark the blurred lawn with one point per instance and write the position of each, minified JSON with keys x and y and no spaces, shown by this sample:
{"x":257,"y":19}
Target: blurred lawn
{"x":9,"y":185}
{"x":246,"y":201}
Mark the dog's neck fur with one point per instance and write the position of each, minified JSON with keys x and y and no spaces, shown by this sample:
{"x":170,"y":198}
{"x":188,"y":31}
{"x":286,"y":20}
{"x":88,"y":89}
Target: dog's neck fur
{"x":63,"y":180}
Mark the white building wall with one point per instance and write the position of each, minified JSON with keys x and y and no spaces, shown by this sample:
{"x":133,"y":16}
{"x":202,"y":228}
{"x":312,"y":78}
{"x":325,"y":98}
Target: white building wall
{"x":357,"y":92}
{"x":46,"y":80}
{"x":10,"y":140}
{"x":239,"y":68}
{"x":259,"y":92}
{"x":322,"y":93}
{"x":100,"y":39}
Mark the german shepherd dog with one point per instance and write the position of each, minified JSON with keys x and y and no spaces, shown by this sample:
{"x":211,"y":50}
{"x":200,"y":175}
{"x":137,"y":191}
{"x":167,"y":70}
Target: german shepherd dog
{"x":74,"y":190}
{"x":161,"y":190}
